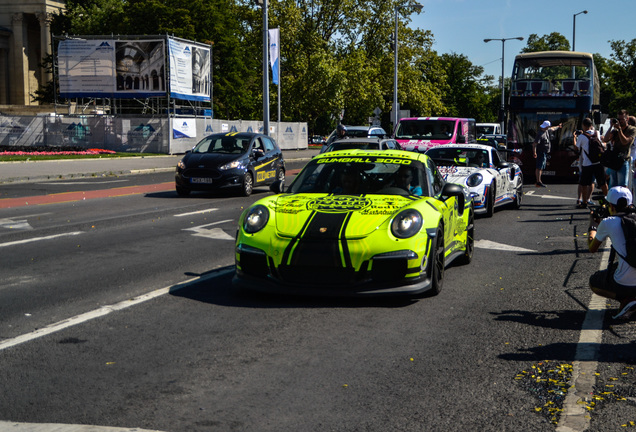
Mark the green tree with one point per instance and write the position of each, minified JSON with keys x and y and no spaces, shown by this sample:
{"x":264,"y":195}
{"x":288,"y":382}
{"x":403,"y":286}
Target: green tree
{"x":622,"y":77}
{"x":468,"y":93}
{"x":553,"y":42}
{"x":604,"y":68}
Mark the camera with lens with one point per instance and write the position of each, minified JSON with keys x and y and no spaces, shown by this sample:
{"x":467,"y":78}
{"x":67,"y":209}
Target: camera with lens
{"x":578,"y":132}
{"x":614,"y":121}
{"x":601,"y":211}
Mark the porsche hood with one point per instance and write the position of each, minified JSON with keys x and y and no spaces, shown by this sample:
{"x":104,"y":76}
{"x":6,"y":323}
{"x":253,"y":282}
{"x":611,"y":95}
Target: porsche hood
{"x":456,"y":174}
{"x":334,"y":216}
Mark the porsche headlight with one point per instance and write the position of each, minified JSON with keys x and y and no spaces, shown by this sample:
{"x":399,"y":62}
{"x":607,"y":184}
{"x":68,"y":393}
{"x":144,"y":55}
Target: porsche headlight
{"x":474,"y":180}
{"x":406,"y":224}
{"x":255,"y":219}
{"x":232,"y":165}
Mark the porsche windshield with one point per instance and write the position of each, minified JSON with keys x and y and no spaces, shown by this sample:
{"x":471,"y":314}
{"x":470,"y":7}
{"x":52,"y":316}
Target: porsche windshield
{"x":227,"y":144}
{"x":362,"y":175}
{"x":459,"y":157}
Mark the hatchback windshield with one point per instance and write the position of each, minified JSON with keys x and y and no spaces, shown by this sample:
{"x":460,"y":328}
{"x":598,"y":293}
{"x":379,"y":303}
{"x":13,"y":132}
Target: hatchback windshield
{"x":222,"y":144}
{"x":362,"y":175}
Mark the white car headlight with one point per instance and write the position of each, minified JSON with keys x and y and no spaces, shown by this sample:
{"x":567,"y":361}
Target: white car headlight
{"x":474,"y":180}
{"x":406,"y":224}
{"x":255,"y":219}
{"x":232,"y":165}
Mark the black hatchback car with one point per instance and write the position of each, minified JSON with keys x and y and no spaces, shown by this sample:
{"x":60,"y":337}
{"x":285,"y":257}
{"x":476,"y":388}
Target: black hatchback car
{"x":239,"y":160}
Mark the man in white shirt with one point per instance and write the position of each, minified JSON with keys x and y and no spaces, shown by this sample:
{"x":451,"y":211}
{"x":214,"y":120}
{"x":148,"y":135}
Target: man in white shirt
{"x":589,"y":170}
{"x":616,"y":282}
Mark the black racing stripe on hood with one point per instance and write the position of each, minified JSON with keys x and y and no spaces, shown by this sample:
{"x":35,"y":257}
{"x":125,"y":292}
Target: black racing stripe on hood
{"x":343,"y":240}
{"x":295,"y":240}
{"x":319,"y":244}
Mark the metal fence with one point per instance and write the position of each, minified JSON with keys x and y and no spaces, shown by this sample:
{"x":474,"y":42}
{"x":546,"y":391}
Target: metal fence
{"x":133,"y":134}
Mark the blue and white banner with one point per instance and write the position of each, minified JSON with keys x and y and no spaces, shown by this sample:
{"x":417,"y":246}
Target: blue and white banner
{"x":190,"y":70}
{"x":184,"y":128}
{"x":274,"y":54}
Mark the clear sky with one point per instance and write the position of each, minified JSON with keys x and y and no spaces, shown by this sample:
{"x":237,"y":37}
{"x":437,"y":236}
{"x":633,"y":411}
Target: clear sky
{"x":460,"y":26}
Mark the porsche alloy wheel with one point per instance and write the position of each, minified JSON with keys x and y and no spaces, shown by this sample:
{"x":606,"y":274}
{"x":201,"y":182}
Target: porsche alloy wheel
{"x":518,"y":196}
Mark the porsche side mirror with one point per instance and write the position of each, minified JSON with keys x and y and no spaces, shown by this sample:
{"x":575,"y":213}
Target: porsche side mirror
{"x":455,"y":190}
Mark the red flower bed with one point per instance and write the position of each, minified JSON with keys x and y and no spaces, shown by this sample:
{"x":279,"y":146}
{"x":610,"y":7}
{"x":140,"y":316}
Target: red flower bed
{"x":52,"y":153}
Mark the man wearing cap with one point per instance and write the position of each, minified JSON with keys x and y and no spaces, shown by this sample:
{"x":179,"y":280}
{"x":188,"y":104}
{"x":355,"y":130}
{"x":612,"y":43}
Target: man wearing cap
{"x":620,"y":283}
{"x":541,"y":148}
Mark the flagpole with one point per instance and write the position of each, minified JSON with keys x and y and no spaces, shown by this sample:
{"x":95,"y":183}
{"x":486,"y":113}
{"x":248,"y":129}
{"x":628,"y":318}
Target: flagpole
{"x":279,"y":81}
{"x":265,"y":70}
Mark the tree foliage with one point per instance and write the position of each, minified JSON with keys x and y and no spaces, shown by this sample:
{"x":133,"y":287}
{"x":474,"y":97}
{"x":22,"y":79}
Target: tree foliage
{"x":465,"y":92}
{"x":552,"y":42}
{"x":621,"y":77}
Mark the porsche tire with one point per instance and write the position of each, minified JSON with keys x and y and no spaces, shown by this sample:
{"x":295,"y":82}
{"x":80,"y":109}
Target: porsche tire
{"x":490,"y":200}
{"x":438,"y":263}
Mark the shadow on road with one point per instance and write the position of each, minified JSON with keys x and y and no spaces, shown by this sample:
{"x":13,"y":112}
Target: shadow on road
{"x":215,"y":287}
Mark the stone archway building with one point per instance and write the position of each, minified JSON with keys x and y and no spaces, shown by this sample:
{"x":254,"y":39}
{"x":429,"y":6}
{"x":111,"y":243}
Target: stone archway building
{"x":25,"y":39}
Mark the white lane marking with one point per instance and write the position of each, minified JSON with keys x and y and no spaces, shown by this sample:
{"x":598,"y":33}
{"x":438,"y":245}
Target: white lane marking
{"x":487,"y":244}
{"x":196,"y":212}
{"x":102,"y":311}
{"x":21,"y":224}
{"x":15,"y":224}
{"x":214,"y":233}
{"x":13,"y":243}
{"x":575,"y":417}
{"x":548,"y":196}
{"x":60,"y":427}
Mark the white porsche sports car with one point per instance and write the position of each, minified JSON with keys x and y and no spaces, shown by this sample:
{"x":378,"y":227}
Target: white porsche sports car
{"x":484,"y":171}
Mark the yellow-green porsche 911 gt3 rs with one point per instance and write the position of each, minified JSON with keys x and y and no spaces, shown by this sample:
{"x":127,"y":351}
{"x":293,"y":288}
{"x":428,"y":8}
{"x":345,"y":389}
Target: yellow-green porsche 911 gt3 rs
{"x":356,"y":222}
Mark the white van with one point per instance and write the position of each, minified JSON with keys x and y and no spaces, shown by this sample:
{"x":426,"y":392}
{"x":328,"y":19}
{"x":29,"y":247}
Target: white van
{"x":488,"y":129}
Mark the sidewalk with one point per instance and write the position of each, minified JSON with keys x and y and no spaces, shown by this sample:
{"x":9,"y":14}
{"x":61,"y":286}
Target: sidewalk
{"x":36,"y":171}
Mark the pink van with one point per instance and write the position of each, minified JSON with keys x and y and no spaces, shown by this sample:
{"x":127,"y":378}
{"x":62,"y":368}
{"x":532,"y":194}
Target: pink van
{"x":421,"y":133}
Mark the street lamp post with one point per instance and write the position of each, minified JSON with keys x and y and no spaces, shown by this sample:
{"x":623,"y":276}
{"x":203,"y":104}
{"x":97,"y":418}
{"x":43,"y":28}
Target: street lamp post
{"x":502,"y":110}
{"x":574,"y":28}
{"x":418,"y":7}
{"x":265,"y":70}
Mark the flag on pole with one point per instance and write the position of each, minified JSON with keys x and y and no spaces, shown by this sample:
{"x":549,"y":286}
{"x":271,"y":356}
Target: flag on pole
{"x":274,"y":51}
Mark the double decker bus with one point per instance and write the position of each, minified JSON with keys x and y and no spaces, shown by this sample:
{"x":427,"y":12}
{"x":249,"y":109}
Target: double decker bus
{"x":559,"y":86}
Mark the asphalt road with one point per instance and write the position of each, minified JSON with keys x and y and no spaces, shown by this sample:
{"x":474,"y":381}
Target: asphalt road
{"x":148,"y":333}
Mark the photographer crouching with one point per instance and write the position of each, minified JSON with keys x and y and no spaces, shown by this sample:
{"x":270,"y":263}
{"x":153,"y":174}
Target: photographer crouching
{"x":618,"y":281}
